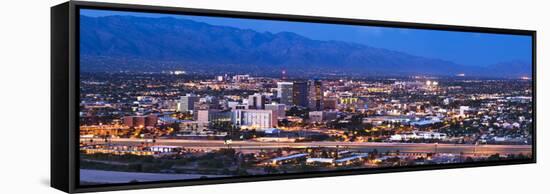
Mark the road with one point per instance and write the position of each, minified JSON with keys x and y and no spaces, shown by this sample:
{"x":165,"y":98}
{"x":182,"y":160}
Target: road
{"x":360,"y":146}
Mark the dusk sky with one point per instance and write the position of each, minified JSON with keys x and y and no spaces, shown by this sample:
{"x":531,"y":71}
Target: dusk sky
{"x":475,"y":49}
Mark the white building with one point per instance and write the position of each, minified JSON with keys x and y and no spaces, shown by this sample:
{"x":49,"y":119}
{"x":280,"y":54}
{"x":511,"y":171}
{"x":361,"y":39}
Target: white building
{"x":284,"y":159}
{"x":241,"y":77}
{"x":254,"y":119}
{"x":427,"y":121}
{"x":236,"y":105}
{"x":418,"y":135}
{"x":256,"y":101}
{"x":165,"y":148}
{"x":320,"y":160}
{"x":463,"y":109}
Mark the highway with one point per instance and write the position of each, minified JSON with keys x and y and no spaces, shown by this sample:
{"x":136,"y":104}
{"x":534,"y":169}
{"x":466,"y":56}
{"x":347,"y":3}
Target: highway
{"x":359,"y":146}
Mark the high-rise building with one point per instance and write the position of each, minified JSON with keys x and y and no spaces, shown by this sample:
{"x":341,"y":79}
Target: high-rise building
{"x":284,"y":92}
{"x":254,"y":119}
{"x":187,"y":103}
{"x":315,"y":96}
{"x":299,"y":94}
{"x":279,"y":109}
{"x":257,"y":101}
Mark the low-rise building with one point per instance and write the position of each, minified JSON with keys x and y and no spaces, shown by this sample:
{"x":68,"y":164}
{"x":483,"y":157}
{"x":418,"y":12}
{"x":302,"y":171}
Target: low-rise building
{"x":418,"y":135}
{"x":254,"y":119}
{"x":322,"y":116}
{"x":192,"y":127}
{"x":140,"y":121}
{"x":213,"y":116}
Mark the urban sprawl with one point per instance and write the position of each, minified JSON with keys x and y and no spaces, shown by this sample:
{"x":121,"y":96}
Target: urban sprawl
{"x":204,"y":125}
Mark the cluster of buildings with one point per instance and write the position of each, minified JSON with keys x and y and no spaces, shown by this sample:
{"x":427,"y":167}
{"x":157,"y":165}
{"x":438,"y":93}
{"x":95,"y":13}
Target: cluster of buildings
{"x":274,"y":111}
{"x":418,"y":135}
{"x":340,"y":158}
{"x":327,"y":158}
{"x":301,"y":93}
{"x":257,"y":111}
{"x":140,"y":121}
{"x":149,"y":150}
{"x":405,"y":109}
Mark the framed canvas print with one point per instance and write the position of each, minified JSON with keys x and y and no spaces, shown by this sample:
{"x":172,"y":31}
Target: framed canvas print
{"x":147,"y":96}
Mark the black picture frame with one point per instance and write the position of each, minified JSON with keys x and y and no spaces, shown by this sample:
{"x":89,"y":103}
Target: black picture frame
{"x":65,"y":89}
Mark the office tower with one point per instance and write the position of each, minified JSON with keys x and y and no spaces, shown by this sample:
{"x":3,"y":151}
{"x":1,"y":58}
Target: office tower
{"x":315,"y":96}
{"x":284,"y":92}
{"x":279,"y":109}
{"x":256,"y":101}
{"x":299,"y":94}
{"x":187,"y":103}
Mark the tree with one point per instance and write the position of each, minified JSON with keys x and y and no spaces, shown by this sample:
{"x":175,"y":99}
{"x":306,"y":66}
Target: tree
{"x":298,"y":112}
{"x":494,"y":157}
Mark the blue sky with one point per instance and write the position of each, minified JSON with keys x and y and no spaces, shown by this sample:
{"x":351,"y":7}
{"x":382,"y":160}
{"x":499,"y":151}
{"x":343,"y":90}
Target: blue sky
{"x":467,"y":48}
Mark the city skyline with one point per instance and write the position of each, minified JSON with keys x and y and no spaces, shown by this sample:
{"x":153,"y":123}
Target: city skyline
{"x":164,"y":99}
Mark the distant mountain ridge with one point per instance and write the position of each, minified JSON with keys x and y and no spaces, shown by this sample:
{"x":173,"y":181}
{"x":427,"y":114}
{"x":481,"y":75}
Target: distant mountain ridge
{"x":128,"y":43}
{"x":515,"y":68}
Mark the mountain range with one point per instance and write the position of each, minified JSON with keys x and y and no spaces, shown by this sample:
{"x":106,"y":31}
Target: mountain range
{"x":129,"y":43}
